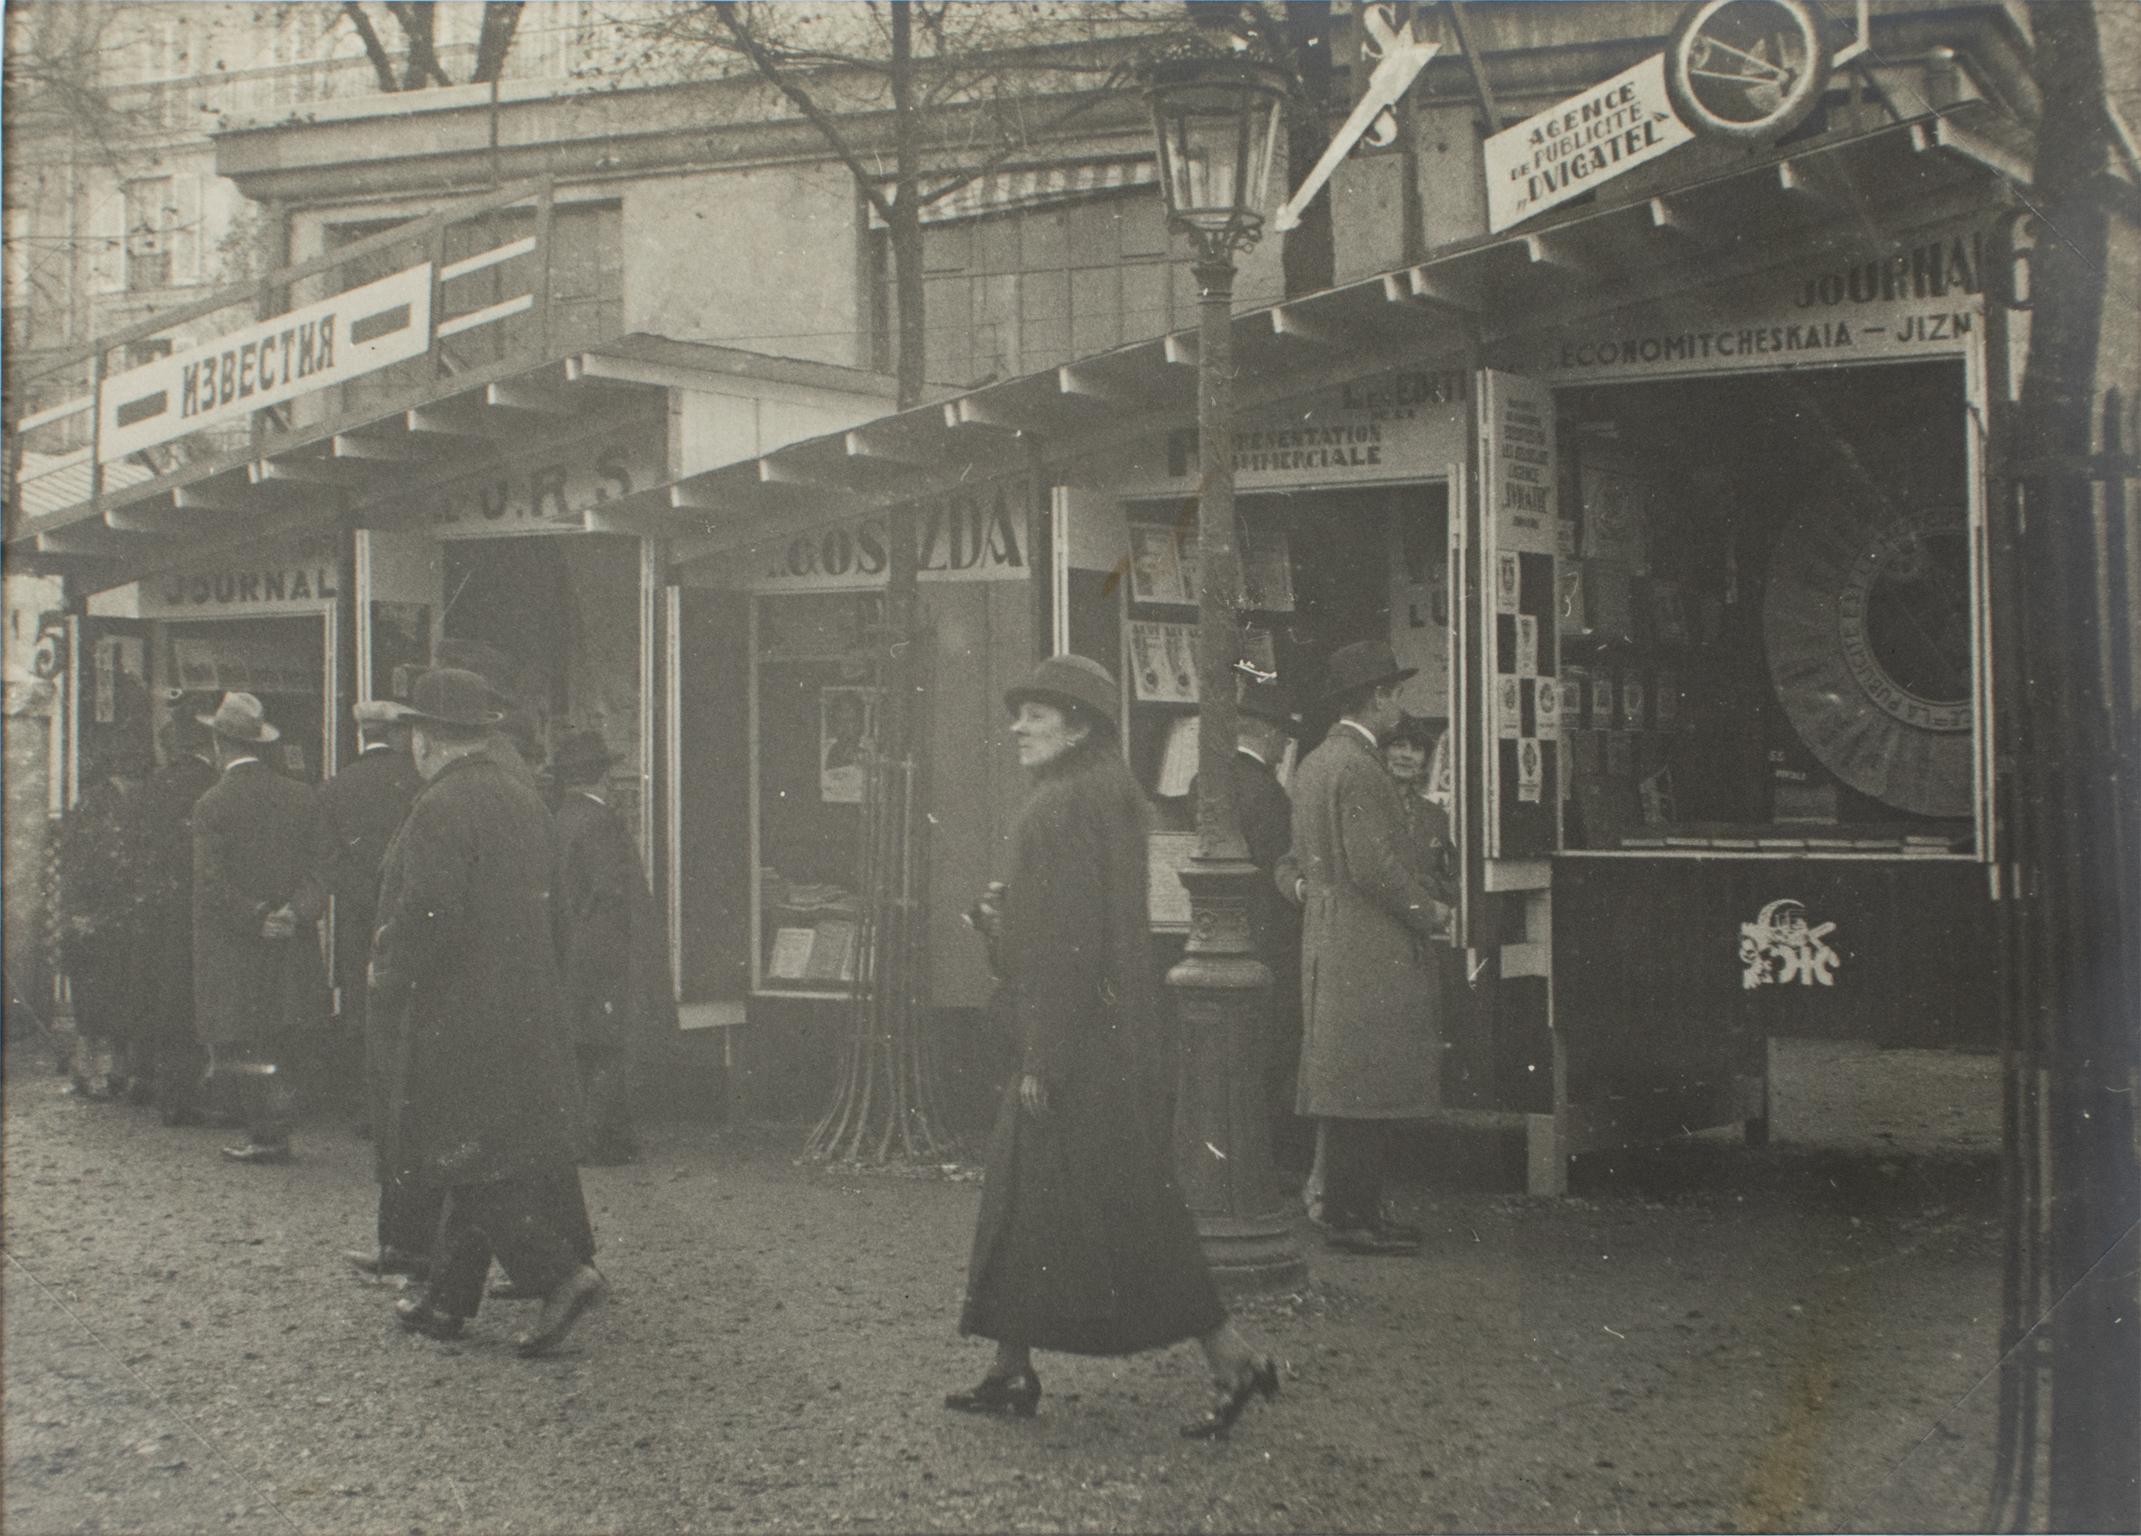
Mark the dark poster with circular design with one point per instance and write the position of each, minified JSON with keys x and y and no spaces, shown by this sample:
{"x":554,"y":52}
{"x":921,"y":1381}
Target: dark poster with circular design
{"x":1867,"y":626}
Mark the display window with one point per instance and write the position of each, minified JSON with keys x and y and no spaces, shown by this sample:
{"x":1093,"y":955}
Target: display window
{"x":1320,"y":569}
{"x":564,"y":612}
{"x":281,"y":661}
{"x":814,"y":706}
{"x":1768,"y":625}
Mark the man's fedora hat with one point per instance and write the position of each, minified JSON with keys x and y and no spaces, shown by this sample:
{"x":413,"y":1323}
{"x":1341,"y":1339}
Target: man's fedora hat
{"x":1073,"y":681}
{"x":1268,"y":699}
{"x":452,"y":696}
{"x":581,"y":757}
{"x":1363,"y":664}
{"x":379,"y":711}
{"x":240,"y":718}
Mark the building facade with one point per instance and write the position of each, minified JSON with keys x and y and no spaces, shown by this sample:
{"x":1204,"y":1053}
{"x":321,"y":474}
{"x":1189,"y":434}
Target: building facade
{"x":1673,"y":486}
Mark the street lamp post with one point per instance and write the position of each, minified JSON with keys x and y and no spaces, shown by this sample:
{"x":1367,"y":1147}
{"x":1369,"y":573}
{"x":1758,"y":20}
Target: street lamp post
{"x":1216,"y":109}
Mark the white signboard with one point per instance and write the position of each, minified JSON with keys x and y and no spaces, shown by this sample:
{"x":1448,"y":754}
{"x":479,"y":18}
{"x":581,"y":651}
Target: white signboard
{"x":304,"y":576}
{"x":983,"y":534}
{"x":1406,"y":425}
{"x":1919,"y":301}
{"x":1575,"y":146}
{"x":335,"y":340}
{"x":533,"y":492}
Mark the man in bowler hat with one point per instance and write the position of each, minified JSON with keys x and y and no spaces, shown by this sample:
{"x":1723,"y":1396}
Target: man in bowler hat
{"x":484,"y":1100}
{"x":259,"y":848}
{"x":1369,"y":1047}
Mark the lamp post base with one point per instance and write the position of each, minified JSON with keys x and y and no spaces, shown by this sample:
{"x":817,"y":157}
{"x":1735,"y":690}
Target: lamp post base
{"x":1222,"y":996}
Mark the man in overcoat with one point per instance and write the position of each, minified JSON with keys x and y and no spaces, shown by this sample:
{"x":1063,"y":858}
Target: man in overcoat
{"x":364,"y":805}
{"x":102,"y":864}
{"x":259,"y":855}
{"x":167,"y":802}
{"x":1265,"y":720}
{"x":1369,"y":1046}
{"x":605,"y":917}
{"x":485,"y":1094}
{"x":511,"y":744}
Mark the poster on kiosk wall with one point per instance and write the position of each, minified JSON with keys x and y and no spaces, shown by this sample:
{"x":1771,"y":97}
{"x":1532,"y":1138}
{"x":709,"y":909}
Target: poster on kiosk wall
{"x":1519,"y":643}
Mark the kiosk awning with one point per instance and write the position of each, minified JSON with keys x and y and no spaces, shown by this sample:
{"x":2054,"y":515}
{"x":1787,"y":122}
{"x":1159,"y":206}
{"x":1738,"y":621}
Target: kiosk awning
{"x":364,"y":470}
{"x":1750,"y":217}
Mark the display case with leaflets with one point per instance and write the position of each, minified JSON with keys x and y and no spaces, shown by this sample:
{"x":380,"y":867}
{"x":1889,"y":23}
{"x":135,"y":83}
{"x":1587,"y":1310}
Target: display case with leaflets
{"x":814,"y":703}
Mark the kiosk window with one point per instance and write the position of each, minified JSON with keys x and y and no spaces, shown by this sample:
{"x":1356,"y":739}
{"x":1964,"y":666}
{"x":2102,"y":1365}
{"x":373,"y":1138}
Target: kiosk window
{"x":1767,"y":614}
{"x":1320,"y":569}
{"x":815,"y":718}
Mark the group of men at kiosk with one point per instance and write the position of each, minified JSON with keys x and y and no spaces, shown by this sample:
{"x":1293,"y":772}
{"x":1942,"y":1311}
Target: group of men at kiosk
{"x":1358,"y":880}
{"x":492,"y":956}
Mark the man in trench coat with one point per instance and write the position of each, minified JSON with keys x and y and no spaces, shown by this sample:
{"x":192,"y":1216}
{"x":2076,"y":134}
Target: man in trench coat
{"x":259,"y":850}
{"x":1369,"y":1047}
{"x":167,"y":802}
{"x":485,"y":1097}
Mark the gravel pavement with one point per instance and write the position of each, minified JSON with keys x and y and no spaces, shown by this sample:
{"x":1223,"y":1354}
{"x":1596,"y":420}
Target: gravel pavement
{"x":1700,"y":1338}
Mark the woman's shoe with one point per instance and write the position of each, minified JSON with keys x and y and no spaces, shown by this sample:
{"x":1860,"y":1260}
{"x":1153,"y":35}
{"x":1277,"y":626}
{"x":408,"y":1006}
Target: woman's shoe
{"x":1262,"y":1376}
{"x":1019,"y":1393}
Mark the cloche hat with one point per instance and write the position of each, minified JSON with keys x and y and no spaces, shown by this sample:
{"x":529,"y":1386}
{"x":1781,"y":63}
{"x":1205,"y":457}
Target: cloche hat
{"x":1077,"y":682}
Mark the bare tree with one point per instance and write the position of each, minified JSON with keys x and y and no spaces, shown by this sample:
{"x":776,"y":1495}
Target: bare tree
{"x":917,"y":98}
{"x":416,"y":26}
{"x":59,"y":83}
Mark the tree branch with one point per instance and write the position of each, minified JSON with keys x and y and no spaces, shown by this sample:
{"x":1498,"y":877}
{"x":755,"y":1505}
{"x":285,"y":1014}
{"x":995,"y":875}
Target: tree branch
{"x":771,"y":71}
{"x":374,"y":50}
{"x":1007,"y":151}
{"x":494,"y":39}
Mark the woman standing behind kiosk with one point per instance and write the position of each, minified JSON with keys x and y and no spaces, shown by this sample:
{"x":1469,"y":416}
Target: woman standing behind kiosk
{"x":1083,"y":1243}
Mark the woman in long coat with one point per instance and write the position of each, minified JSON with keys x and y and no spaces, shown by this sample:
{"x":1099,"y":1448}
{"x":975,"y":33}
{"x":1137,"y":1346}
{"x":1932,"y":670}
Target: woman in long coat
{"x":1083,"y":1243}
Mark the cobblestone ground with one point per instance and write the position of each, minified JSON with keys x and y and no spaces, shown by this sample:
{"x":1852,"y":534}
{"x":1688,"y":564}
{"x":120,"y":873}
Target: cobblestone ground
{"x":1700,"y":1338}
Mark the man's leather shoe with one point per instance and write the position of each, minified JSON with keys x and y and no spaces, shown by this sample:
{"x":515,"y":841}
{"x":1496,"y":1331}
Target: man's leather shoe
{"x":259,"y":1152}
{"x":418,"y":1316}
{"x":386,"y":1261}
{"x":579,"y":1293}
{"x":1374,"y":1241}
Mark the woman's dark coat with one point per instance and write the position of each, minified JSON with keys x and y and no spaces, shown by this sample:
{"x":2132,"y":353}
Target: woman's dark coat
{"x":167,"y":802}
{"x":483,"y":1085}
{"x":103,"y":873}
{"x":611,"y":946}
{"x":259,"y":844}
{"x":1083,"y":1242}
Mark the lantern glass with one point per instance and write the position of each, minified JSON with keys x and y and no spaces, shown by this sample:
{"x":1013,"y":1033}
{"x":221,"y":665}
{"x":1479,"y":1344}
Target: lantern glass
{"x":1217,"y":129}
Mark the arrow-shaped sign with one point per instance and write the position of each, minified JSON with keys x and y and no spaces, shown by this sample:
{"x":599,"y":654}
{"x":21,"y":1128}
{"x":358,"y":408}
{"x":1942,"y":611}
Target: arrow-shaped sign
{"x":1400,"y":62}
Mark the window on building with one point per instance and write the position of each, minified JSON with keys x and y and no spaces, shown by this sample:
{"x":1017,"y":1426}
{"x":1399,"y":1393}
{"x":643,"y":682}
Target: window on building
{"x":1014,"y":292}
{"x":150,"y":204}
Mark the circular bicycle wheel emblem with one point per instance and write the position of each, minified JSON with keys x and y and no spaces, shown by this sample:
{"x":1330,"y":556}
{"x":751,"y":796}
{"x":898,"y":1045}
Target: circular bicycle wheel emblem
{"x":1746,"y":69}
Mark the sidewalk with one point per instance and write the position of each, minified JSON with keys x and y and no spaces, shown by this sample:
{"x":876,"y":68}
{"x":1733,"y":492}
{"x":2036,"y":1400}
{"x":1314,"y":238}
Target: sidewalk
{"x":1701,"y":1338}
